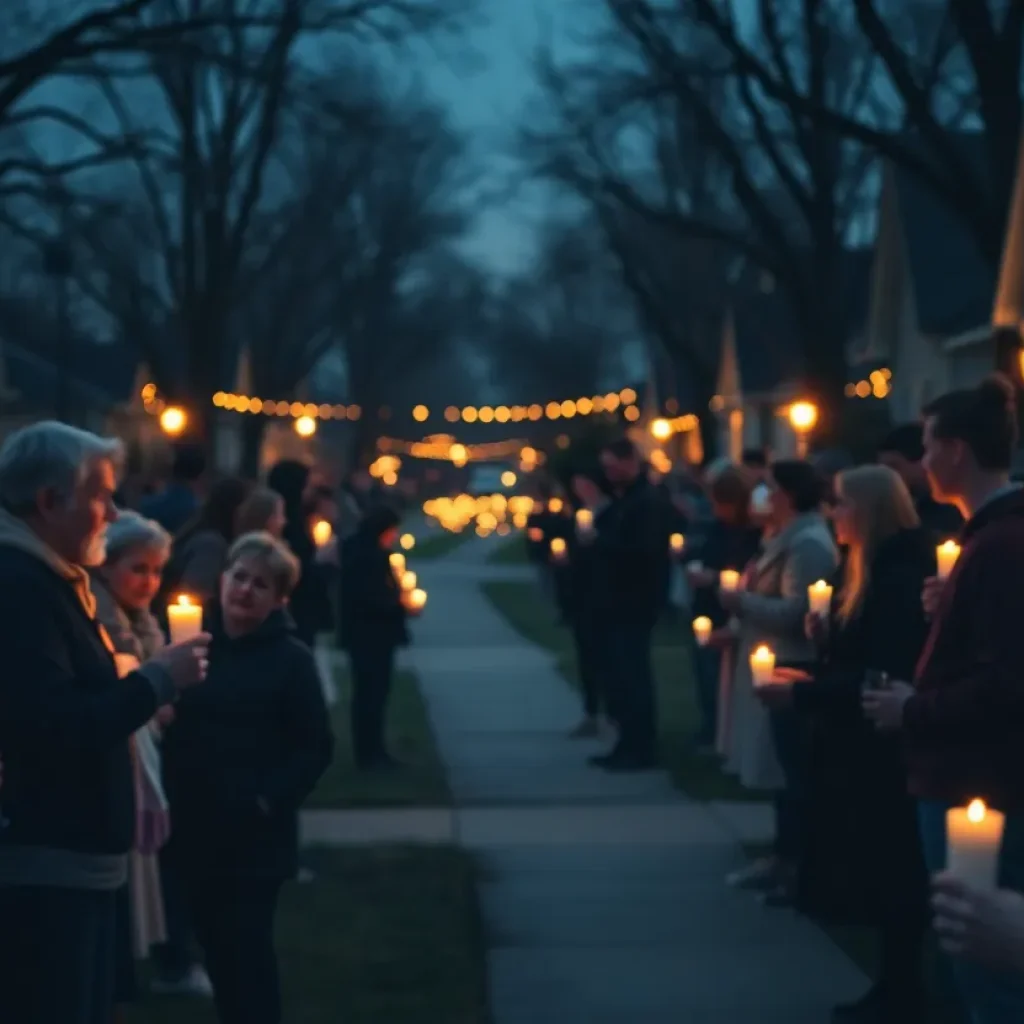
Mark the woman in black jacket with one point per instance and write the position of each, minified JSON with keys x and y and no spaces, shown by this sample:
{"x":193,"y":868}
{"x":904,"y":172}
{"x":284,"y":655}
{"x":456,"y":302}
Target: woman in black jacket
{"x":372,"y":628}
{"x":242,"y":755}
{"x":862,"y":863}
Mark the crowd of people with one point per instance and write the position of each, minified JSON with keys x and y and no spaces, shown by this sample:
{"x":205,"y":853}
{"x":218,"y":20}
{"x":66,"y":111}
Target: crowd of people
{"x":151,"y":782}
{"x":901,"y":699}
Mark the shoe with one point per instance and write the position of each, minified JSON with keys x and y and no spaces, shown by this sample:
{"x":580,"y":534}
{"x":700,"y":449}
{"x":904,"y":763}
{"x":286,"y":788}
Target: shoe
{"x":761,"y":874}
{"x":194,"y":982}
{"x":587,"y":729}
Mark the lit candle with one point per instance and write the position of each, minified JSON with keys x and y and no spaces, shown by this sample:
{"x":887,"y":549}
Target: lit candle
{"x":974,"y":837}
{"x":584,"y":520}
{"x":762,"y":665}
{"x":408,"y":580}
{"x":397,"y":560}
{"x":819,"y":597}
{"x":555,"y":506}
{"x":946,"y":555}
{"x":536,"y":534}
{"x":417,"y":599}
{"x":677,"y":542}
{"x":729,"y":579}
{"x":185,"y":619}
{"x":557,"y":549}
{"x":322,"y":532}
{"x":702,"y":630}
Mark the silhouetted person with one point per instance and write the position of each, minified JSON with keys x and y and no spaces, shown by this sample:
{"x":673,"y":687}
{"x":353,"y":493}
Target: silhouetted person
{"x":173,"y":507}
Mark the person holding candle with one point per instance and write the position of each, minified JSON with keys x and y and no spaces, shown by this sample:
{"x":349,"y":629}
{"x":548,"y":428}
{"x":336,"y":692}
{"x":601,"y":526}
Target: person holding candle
{"x":373,"y":628}
{"x":963,"y":720}
{"x":66,"y":722}
{"x":239,"y":759}
{"x":980,"y":923}
{"x":861,"y":862}
{"x":731,"y":541}
{"x":767,"y":750}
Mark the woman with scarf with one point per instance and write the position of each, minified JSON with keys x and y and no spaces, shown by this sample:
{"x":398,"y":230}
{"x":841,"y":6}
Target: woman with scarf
{"x":137,"y":552}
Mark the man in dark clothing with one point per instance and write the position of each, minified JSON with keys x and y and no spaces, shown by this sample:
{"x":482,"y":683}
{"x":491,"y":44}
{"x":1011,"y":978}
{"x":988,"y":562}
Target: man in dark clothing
{"x":66,"y":720}
{"x":963,"y":721}
{"x":633,"y":543}
{"x":173,"y":507}
{"x":902,"y":450}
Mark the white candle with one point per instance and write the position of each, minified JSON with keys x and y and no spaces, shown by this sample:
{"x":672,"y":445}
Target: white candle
{"x":702,"y":630}
{"x":185,"y":619}
{"x":762,"y":665}
{"x":974,"y":837}
{"x":946,"y":555}
{"x":408,"y":580}
{"x":397,"y":560}
{"x":819,"y":597}
{"x":729,"y":579}
{"x":322,"y":532}
{"x":584,"y":519}
{"x":557,"y":549}
{"x":677,"y":542}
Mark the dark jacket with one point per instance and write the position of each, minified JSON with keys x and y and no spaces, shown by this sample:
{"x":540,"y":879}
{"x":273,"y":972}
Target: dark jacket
{"x":862,"y":861}
{"x":964,"y":727}
{"x":725,"y":547}
{"x":371,"y":598}
{"x":589,"y":581}
{"x":171,"y":508}
{"x":941,"y":521}
{"x":65,"y":723}
{"x":256,"y":730}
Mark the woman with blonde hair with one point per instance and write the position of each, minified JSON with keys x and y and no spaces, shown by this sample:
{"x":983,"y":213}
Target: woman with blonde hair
{"x":861,"y":862}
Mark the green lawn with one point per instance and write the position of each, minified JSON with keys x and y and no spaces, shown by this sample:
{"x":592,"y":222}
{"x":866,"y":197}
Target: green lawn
{"x":421,"y":780}
{"x":437,"y":545}
{"x":510,"y":552}
{"x":384,"y":935}
{"x":696,"y":774}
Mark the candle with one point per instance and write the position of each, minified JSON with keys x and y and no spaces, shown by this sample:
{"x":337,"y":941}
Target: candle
{"x":417,"y":599}
{"x":974,"y":837}
{"x":322,"y":532}
{"x":729,"y":579}
{"x":946,"y":555}
{"x":397,"y":560}
{"x":819,"y":597}
{"x":702,"y":630}
{"x":408,"y":580}
{"x":762,"y":665}
{"x":185,"y":619}
{"x":584,"y":520}
{"x":558,"y":548}
{"x":536,"y":534}
{"x":555,"y":506}
{"x":677,"y":542}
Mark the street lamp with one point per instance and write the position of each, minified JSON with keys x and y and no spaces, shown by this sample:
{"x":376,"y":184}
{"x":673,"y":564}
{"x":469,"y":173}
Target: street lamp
{"x":173,"y":420}
{"x":802,"y":418}
{"x":305,"y":426}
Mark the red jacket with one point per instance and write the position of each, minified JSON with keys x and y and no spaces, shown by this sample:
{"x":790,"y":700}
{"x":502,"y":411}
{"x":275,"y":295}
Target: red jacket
{"x":964,"y":728}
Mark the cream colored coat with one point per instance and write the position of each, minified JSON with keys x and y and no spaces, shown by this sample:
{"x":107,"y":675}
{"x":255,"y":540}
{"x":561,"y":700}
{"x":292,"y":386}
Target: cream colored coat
{"x":772,"y":611}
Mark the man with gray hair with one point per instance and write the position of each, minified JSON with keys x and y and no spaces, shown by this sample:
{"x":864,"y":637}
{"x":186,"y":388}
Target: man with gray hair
{"x":67,"y":805}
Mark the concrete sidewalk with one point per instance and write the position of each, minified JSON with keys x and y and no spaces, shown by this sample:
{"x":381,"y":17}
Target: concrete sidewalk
{"x":603,"y":895}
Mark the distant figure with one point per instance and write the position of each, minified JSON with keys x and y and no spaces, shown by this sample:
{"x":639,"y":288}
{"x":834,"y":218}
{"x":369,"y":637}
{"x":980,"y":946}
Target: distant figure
{"x":173,"y":507}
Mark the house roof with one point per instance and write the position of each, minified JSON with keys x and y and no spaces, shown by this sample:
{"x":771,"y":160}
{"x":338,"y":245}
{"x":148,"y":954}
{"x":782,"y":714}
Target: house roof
{"x":953,"y":282}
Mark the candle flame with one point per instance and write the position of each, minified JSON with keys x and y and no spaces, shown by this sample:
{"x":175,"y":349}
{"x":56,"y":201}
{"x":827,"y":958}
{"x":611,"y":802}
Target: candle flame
{"x":677,"y":541}
{"x":701,"y":623}
{"x":820,"y":586}
{"x":184,"y":601}
{"x":976,"y":811}
{"x":557,"y":546}
{"x":950,"y":547}
{"x":763,"y":653}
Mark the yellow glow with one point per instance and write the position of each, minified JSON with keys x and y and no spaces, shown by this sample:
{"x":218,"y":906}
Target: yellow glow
{"x":469,"y":414}
{"x":408,"y":541}
{"x":661,"y":429}
{"x":534,"y":413}
{"x":803,"y":416}
{"x":632,"y":413}
{"x":397,"y":560}
{"x":389,"y":478}
{"x":408,"y":580}
{"x":173,"y":420}
{"x":486,"y":414}
{"x":976,"y":811}
{"x":322,"y":532}
{"x":508,"y":478}
{"x":184,"y":601}
{"x":553,"y":410}
{"x":451,"y":414}
{"x":503,"y":414}
{"x":568,"y":409}
{"x":628,"y":396}
{"x":458,"y":454}
{"x":585,"y":406}
{"x":420,"y":413}
{"x":305,"y":426}
{"x":555,"y":506}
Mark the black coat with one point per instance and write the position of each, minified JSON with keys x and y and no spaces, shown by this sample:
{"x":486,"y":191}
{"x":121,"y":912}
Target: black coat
{"x":256,"y":731}
{"x":371,"y":610}
{"x":862,"y":861}
{"x":725,"y":547}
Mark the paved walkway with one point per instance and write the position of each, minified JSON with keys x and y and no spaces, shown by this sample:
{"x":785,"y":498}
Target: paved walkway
{"x":602,"y":897}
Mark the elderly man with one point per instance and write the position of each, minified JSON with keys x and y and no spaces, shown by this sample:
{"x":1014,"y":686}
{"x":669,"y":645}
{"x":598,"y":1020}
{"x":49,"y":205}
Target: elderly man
{"x":65,"y":722}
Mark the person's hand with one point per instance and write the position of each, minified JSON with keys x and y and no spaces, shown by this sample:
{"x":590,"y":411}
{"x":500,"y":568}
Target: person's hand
{"x":720,"y":639}
{"x":930,"y":595}
{"x":885,"y":707}
{"x":791,"y":675}
{"x":165,"y":716}
{"x":730,"y":599}
{"x":701,"y":577}
{"x":777,"y":694}
{"x":815,"y":627}
{"x":986,"y":925}
{"x":186,"y":663}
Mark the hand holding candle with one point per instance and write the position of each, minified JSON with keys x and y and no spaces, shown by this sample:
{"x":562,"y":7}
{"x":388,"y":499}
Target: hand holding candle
{"x":702,"y":630}
{"x":946,"y":556}
{"x":819,"y":598}
{"x":322,"y":532}
{"x":676,"y":543}
{"x":975,"y":838}
{"x":729,"y":580}
{"x":584,"y":520}
{"x":762,"y":665}
{"x":184,"y":619}
{"x":558,"y":549}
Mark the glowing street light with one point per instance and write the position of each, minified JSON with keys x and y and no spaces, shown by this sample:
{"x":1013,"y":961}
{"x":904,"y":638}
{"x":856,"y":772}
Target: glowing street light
{"x":661,"y":429}
{"x":802,"y":418}
{"x":173,"y":420}
{"x":305,"y":426}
